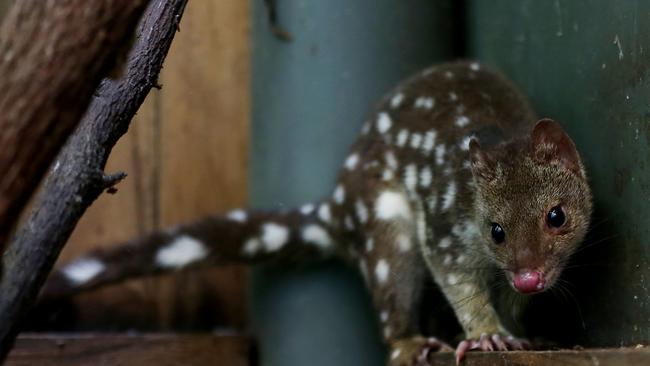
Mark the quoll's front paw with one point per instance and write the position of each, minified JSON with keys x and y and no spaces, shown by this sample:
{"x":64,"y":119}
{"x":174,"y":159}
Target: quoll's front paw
{"x":415,"y":351}
{"x":490,"y":342}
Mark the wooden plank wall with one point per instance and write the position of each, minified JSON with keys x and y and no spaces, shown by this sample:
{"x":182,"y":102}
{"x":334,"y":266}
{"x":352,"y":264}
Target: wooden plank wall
{"x":186,"y":155}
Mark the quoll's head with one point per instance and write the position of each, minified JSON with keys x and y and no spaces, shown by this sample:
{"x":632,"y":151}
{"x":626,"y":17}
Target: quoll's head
{"x":533,"y":204}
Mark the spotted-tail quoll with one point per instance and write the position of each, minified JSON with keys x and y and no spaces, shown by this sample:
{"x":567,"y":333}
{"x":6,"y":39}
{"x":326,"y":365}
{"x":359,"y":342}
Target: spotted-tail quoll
{"x":451,"y":177}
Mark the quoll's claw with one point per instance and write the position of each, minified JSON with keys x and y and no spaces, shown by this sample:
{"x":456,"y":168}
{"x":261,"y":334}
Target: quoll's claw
{"x":415,"y":351}
{"x":490,"y":342}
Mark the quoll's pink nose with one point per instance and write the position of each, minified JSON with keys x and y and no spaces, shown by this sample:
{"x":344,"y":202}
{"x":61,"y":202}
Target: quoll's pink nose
{"x":528,"y":282}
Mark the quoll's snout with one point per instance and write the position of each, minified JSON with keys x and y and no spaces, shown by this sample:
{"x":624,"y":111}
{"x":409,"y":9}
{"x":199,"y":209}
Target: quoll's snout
{"x":529,"y":281}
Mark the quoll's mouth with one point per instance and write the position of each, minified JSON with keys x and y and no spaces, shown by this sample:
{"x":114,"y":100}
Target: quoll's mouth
{"x":529,"y":281}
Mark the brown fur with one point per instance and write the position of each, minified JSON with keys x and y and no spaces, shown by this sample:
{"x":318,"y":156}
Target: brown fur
{"x":446,"y":154}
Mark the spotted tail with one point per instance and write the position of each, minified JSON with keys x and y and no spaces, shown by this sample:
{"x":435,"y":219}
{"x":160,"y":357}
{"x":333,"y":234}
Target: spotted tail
{"x":237,"y":237}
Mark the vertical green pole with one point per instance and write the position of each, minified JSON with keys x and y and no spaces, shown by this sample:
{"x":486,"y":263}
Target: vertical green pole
{"x":310,"y":96}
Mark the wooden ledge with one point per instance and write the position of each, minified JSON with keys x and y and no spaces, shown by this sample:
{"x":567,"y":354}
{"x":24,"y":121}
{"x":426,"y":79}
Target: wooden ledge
{"x":75,"y":349}
{"x":636,"y":356}
{"x":121,"y":349}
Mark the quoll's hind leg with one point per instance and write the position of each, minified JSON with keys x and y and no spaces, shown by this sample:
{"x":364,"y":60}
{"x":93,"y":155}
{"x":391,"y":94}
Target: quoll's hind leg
{"x":464,"y":286}
{"x":414,"y":350}
{"x":394,"y":273}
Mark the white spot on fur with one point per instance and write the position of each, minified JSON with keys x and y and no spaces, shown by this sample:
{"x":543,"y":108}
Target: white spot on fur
{"x":387,"y":174}
{"x":429,"y":141}
{"x":440,"y":154}
{"x":351,"y":161}
{"x":339,"y":194}
{"x":383,"y":316}
{"x":362,"y":211}
{"x":252,"y":246}
{"x":381,"y":271}
{"x":462,"y":121}
{"x":432,"y":202}
{"x":426,"y":176}
{"x":83,"y":270}
{"x":392,"y":205}
{"x":274,"y":236}
{"x":181,"y":252}
{"x":387,"y":331}
{"x":461,"y":259}
{"x":410,"y":177}
{"x":416,"y":140}
{"x":447,"y":259}
{"x":396,"y":100}
{"x":464,"y":145}
{"x":474,"y":66}
{"x":449,"y":196}
{"x":449,"y":74}
{"x":404,"y":243}
{"x":444,"y":243}
{"x":396,"y":352}
{"x":383,"y":122}
{"x":370,"y":244}
{"x":391,"y":161}
{"x":424,"y":102}
{"x":402,"y":136}
{"x":453,"y":97}
{"x":349,"y":223}
{"x":315,"y":234}
{"x":324,"y":213}
{"x":452,"y":279}
{"x":237,"y":215}
{"x":307,"y":209}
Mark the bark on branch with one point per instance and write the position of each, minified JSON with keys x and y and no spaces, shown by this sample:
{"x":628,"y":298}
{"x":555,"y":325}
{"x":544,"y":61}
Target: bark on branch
{"x":77,"y":177}
{"x":53,"y":55}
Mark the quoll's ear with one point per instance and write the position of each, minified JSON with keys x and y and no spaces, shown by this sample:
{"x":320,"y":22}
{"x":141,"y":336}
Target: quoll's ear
{"x":550,"y":144}
{"x":483,"y":165}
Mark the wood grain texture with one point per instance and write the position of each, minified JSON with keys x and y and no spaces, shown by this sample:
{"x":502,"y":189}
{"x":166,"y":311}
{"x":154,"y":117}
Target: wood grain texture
{"x":186,"y":155}
{"x":78,"y":178}
{"x":54,"y":54}
{"x":117,"y":349}
{"x":586,"y":357}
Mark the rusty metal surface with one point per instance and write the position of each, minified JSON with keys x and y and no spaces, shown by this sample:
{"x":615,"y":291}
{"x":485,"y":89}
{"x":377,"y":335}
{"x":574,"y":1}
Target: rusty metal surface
{"x":585,"y":63}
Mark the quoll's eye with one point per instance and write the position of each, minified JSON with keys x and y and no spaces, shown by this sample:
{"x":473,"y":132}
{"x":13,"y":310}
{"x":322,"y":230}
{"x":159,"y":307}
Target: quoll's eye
{"x":498,"y":234}
{"x":556,"y":217}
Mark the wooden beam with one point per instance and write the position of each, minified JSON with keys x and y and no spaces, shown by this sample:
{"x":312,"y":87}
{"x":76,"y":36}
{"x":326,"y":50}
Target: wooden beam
{"x":236,"y":350}
{"x":53,"y":56}
{"x":586,"y":357}
{"x":77,"y":177}
{"x":142,"y":350}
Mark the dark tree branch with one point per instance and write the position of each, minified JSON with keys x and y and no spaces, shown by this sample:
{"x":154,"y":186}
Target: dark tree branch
{"x":77,"y":177}
{"x":53,"y":54}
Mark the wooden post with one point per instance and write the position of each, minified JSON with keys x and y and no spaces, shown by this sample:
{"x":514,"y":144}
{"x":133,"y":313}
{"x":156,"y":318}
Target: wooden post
{"x":53,"y":55}
{"x":77,"y":177}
